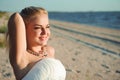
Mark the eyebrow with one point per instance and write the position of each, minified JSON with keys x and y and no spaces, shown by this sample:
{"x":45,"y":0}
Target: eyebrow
{"x":41,"y":25}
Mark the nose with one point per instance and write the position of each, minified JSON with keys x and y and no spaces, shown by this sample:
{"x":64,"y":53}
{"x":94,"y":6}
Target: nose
{"x":44,"y":31}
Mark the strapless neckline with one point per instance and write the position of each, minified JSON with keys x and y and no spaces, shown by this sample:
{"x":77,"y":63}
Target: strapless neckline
{"x":46,"y":69}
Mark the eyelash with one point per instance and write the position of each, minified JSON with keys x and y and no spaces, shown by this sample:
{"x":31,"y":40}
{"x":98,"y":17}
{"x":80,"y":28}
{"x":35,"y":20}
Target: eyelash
{"x":36,"y":27}
{"x":48,"y":26}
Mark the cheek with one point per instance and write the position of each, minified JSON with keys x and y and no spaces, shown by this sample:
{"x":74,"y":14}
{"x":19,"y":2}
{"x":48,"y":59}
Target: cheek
{"x":31,"y":34}
{"x":37,"y":33}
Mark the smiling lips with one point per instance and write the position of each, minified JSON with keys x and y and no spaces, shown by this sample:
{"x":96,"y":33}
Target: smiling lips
{"x":43,"y":38}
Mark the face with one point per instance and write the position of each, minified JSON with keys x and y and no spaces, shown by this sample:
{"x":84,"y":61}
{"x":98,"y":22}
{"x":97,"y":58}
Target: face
{"x":38,"y":30}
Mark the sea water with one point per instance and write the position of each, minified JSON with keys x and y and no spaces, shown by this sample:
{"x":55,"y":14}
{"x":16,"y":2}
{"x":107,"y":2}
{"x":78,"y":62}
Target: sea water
{"x":98,"y":19}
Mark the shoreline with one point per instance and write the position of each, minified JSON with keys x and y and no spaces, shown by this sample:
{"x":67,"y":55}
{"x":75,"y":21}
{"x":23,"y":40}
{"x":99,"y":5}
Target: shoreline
{"x":89,"y":25}
{"x":114,"y":39}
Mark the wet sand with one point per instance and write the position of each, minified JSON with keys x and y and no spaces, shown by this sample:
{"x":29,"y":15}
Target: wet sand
{"x":87,"y":52}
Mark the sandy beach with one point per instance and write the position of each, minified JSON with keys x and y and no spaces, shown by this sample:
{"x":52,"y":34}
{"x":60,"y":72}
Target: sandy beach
{"x":87,"y":52}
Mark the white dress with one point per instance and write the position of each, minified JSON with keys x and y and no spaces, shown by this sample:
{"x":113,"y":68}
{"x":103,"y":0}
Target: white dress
{"x":46,"y":69}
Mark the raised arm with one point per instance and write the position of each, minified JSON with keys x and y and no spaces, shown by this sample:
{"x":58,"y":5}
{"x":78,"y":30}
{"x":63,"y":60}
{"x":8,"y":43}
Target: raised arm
{"x":17,"y":38}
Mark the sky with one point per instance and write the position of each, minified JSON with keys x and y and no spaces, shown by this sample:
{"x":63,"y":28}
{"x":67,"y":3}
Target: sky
{"x":62,"y":5}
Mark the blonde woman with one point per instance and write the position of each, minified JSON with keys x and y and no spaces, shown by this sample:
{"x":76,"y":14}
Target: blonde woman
{"x":30,"y":56}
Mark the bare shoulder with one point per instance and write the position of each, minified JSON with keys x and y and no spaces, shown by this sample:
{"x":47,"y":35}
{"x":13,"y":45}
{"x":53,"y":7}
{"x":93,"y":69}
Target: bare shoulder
{"x":51,"y":51}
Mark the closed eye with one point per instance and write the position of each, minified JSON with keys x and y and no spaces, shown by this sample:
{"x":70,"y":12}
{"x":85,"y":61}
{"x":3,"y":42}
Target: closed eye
{"x":40,"y":26}
{"x":37,"y":27}
{"x":48,"y":26}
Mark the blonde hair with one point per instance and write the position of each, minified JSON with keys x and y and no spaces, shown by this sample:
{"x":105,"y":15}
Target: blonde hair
{"x":29,"y":12}
{"x":26,"y":14}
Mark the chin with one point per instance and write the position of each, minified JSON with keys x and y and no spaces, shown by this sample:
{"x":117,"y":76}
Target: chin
{"x":43,"y":43}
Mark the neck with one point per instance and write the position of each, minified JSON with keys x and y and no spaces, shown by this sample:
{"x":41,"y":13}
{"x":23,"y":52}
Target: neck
{"x":37,"y":51}
{"x":35,"y":48}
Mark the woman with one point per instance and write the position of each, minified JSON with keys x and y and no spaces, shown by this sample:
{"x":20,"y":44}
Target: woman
{"x":30,"y":56}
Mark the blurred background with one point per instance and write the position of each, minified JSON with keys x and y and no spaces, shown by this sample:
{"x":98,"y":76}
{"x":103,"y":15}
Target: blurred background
{"x":92,"y":27}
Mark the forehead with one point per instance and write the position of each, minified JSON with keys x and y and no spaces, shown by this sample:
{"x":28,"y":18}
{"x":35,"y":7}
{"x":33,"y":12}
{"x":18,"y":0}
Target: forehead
{"x":43,"y":18}
{"x":39,"y":16}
